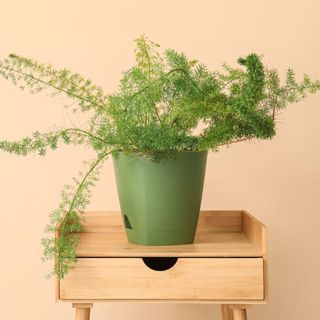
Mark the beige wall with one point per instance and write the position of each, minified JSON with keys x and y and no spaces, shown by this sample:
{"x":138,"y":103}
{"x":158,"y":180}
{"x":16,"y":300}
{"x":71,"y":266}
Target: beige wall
{"x":277,"y":181}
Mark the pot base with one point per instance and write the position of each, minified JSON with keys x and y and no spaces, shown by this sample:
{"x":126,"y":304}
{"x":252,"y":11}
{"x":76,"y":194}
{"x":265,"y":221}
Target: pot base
{"x":161,"y":238}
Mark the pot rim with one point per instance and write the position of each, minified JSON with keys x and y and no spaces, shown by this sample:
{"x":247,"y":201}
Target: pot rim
{"x":137,"y":153}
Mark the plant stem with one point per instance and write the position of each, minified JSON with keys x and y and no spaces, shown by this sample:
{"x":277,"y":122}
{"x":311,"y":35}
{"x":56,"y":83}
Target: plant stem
{"x":273,"y":113}
{"x":71,"y":207}
{"x":235,"y":141}
{"x":81,"y":184}
{"x":85,"y":178}
{"x":55,"y":87}
{"x":157,"y":113}
{"x":166,"y":74}
{"x":155,"y":81}
{"x":87,"y":133}
{"x":148,"y":57}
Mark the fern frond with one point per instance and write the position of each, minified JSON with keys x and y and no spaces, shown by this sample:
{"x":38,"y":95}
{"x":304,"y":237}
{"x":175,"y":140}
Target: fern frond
{"x":68,"y":218}
{"x":29,"y":74}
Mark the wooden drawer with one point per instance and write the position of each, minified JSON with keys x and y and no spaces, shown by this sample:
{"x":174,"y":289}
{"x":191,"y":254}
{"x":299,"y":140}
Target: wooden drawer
{"x":189,"y":279}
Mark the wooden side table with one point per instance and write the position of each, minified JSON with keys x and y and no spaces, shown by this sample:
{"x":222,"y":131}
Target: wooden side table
{"x":226,"y":264}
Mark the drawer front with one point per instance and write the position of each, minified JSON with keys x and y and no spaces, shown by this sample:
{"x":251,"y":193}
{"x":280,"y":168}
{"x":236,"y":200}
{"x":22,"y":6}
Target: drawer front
{"x":188,"y":278}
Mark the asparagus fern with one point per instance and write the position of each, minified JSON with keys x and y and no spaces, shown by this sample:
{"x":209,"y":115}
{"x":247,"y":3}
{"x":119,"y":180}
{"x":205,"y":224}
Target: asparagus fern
{"x":159,"y":103}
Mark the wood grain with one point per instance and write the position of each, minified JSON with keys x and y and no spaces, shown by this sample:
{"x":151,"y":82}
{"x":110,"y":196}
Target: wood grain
{"x":226,"y":312}
{"x":82,"y":311}
{"x":189,"y":278}
{"x":227,"y":264}
{"x":213,"y":221}
{"x":239,"y":314}
{"x":256,"y":232}
{"x":219,"y":234}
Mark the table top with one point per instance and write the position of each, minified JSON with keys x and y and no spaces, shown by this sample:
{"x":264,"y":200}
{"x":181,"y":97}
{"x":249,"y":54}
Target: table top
{"x":219,"y":234}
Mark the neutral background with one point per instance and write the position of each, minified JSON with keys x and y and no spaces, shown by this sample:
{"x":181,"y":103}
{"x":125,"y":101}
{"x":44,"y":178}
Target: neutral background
{"x":277,"y":181}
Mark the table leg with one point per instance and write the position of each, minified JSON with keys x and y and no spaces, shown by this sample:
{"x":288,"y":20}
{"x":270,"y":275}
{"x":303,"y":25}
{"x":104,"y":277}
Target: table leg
{"x":239,"y":314}
{"x":82,"y":310}
{"x":239,"y":311}
{"x":226,"y":312}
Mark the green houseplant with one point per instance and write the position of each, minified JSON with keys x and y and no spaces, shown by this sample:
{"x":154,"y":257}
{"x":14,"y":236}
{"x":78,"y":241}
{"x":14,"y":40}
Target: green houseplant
{"x":151,"y":118}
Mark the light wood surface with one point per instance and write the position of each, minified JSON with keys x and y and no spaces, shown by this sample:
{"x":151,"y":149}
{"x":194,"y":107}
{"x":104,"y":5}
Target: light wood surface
{"x":189,"y":278}
{"x":239,"y":311}
{"x":226,"y":312}
{"x":82,"y":311}
{"x":206,"y":244}
{"x":163,"y":301}
{"x":219,"y":234}
{"x":239,"y":314}
{"x":209,"y":220}
{"x":254,"y":230}
{"x":226,"y":264}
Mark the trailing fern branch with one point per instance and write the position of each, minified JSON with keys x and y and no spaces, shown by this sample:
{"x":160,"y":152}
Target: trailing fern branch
{"x":40,"y":142}
{"x":27,"y":73}
{"x":66,"y":219}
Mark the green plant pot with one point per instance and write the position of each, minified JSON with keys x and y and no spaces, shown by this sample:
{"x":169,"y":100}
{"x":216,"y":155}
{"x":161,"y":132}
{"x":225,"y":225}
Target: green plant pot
{"x":160,"y":201}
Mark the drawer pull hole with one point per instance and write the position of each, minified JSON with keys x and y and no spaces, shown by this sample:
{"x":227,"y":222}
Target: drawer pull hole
{"x":159,"y":263}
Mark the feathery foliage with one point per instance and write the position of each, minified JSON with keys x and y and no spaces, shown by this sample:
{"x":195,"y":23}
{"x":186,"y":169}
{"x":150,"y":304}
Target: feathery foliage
{"x":160,"y":102}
